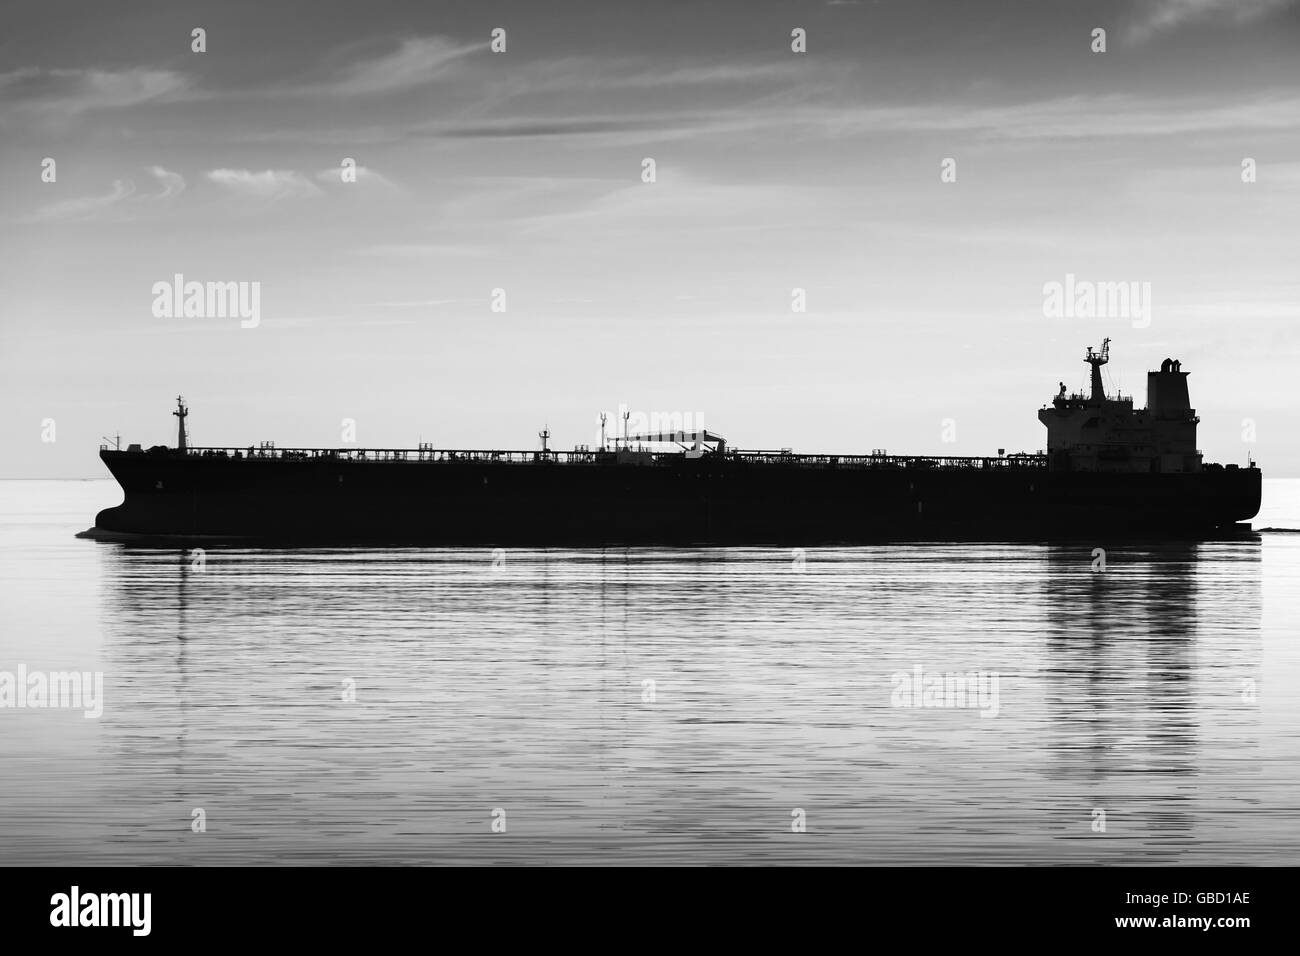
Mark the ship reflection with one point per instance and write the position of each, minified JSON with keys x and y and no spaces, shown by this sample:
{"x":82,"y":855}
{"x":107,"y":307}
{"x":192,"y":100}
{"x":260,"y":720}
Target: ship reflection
{"x":637,"y":692}
{"x":1145,"y":661}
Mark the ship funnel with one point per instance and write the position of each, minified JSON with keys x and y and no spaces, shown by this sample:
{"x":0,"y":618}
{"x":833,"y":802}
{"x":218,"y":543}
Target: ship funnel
{"x":1167,"y":395}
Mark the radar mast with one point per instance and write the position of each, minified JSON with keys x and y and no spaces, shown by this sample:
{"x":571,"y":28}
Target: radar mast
{"x":1097,"y":360}
{"x":180,"y":413}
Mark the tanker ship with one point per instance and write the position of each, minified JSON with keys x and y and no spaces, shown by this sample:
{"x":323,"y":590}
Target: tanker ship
{"x":1108,"y":469}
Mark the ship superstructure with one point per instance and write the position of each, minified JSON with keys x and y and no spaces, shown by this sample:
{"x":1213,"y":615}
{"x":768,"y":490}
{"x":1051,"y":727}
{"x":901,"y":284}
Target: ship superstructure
{"x":1096,"y":432}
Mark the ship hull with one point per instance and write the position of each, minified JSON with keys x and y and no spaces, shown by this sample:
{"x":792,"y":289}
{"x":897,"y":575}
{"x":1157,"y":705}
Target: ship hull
{"x":709,"y":500}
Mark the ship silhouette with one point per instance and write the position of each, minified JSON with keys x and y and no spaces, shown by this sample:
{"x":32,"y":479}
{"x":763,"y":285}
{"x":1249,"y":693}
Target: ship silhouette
{"x":1109,"y":469}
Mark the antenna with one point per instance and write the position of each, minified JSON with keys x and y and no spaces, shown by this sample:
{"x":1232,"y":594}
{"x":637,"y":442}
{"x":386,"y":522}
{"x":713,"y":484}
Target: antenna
{"x":602,"y":431}
{"x":626,"y":416}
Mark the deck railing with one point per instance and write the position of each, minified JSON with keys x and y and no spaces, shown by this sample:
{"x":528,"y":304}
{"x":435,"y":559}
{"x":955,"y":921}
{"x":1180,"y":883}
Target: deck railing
{"x":590,"y":456}
{"x":896,"y":461}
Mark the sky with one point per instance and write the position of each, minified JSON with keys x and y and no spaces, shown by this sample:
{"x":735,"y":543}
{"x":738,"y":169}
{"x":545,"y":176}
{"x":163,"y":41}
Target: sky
{"x":922,"y":171}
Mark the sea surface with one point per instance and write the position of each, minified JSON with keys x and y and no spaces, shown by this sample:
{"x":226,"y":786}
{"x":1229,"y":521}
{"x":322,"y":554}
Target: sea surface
{"x":428,"y":706}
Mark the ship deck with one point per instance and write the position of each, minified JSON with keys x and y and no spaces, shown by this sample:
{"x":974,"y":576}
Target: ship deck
{"x":594,"y":457}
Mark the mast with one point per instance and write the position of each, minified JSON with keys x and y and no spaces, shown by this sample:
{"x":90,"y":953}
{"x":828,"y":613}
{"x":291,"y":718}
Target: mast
{"x":1097,"y":360}
{"x":180,"y":413}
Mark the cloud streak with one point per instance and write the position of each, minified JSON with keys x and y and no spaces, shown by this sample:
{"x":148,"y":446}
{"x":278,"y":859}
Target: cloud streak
{"x":269,"y":184}
{"x":1056,"y":118}
{"x":82,"y":208}
{"x":70,"y":93}
{"x":416,"y":62}
{"x":1165,"y":16}
{"x":117,"y":203}
{"x":171,"y":184}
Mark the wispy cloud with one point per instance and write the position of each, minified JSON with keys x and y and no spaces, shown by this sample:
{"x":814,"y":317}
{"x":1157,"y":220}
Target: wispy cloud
{"x":1071,"y":117}
{"x":68,"y":93}
{"x":61,"y":94}
{"x":1163,"y":16}
{"x":121,"y":201}
{"x":678,"y":197}
{"x":172,"y":184}
{"x":417,"y":61}
{"x":603,"y":73}
{"x":17,"y":76}
{"x":267,"y":184}
{"x":526,"y":127}
{"x":84,"y":207}
{"x":1055,"y":118}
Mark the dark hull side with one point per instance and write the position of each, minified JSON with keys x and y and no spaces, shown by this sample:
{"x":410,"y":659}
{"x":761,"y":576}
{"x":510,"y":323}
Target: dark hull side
{"x":686,"y":501}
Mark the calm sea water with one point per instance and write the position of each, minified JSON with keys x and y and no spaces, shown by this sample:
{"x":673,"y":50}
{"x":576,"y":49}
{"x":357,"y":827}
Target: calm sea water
{"x":644,"y":705}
